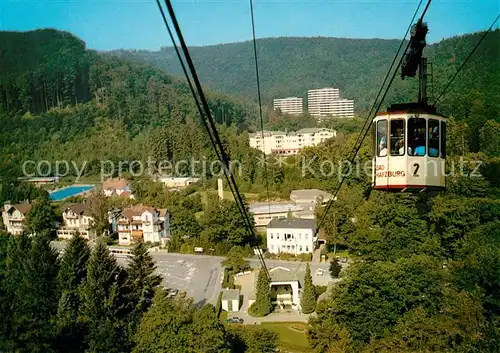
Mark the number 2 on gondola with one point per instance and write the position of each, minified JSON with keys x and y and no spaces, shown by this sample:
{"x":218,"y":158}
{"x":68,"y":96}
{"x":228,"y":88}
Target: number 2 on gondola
{"x":416,"y":167}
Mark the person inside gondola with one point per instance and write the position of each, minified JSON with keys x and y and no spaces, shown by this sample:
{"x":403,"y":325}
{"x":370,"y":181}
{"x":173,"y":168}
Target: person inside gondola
{"x":433,"y":142}
{"x":420,"y":145}
{"x":401,"y":146}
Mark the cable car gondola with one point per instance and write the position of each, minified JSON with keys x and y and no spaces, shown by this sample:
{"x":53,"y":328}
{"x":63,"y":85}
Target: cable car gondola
{"x":410,"y":138}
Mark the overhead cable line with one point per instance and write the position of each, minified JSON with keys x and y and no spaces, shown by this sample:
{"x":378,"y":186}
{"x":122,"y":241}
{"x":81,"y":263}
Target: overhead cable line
{"x":193,"y":92}
{"x":466,"y":59}
{"x":370,"y":118}
{"x":264,"y":159}
{"x":209,"y":124}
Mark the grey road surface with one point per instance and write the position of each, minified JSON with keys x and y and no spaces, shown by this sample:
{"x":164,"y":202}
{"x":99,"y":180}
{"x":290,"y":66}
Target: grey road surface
{"x":200,"y":275}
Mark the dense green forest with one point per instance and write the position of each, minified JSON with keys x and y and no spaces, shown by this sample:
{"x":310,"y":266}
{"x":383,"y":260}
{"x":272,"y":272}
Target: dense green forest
{"x":291,"y":66}
{"x":84,"y":301}
{"x":424,"y":276}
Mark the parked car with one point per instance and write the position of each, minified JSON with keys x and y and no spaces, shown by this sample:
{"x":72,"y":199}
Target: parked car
{"x":234,"y":320}
{"x":320,"y":272}
{"x":173,"y":293}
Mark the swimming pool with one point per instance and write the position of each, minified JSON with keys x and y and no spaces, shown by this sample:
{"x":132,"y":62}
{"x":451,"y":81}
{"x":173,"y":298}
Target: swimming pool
{"x":69,"y":191}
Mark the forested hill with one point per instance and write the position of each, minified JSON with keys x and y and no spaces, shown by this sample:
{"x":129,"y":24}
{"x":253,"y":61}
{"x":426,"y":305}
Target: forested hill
{"x":44,"y":69}
{"x":291,"y":66}
{"x":61,"y":100}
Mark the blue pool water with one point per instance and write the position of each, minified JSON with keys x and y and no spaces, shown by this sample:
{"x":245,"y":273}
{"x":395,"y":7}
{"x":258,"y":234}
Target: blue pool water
{"x":69,"y":191}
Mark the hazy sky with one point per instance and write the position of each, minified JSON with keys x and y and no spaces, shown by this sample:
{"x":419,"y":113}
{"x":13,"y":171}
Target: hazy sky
{"x":136,"y":24}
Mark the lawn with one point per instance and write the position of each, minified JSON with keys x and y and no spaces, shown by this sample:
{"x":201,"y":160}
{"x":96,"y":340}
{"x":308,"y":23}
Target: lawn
{"x":290,"y":339}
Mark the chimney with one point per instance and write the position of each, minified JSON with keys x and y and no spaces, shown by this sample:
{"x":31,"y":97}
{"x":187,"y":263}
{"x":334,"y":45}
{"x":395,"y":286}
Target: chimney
{"x":220,"y":188}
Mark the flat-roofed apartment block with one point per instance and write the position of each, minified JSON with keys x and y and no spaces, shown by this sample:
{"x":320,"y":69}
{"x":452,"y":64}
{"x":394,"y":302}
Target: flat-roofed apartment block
{"x":14,"y":217}
{"x":289,"y":105}
{"x":263,"y":213}
{"x":325,"y":102}
{"x":76,"y":218}
{"x":284,"y":143}
{"x":143,"y":222}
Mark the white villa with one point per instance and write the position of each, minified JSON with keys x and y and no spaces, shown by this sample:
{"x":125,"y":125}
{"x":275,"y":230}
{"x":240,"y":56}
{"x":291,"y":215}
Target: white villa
{"x":143,"y":222}
{"x":285,"y":288}
{"x":117,"y":187}
{"x":76,"y":218}
{"x":291,"y":235}
{"x":176,"y":182}
{"x":14,"y":217}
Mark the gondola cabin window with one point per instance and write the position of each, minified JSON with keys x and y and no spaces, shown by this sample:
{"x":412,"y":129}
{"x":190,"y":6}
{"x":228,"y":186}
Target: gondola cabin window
{"x":382,"y":138}
{"x":397,"y":137}
{"x":417,"y":132}
{"x":443,"y":139}
{"x":433,"y":138}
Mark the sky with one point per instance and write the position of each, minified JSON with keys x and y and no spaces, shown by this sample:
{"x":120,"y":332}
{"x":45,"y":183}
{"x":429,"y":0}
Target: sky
{"x":137,"y":24}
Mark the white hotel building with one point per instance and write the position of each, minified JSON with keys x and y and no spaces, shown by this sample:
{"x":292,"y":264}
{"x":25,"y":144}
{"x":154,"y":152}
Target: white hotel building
{"x":326,"y":102}
{"x":291,"y":235}
{"x":290,"y":105}
{"x":284,"y":143}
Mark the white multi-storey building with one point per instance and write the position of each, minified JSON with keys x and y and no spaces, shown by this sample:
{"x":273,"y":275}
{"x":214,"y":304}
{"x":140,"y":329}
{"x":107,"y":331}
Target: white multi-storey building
{"x":14,"y":217}
{"x":326,"y":102}
{"x":76,"y":218}
{"x":291,"y":235}
{"x":290,"y":105}
{"x":143,"y":222}
{"x":284,"y":143}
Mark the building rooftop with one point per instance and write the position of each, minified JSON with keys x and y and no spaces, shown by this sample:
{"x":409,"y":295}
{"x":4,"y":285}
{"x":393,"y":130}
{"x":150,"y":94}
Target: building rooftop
{"x":282,"y":274}
{"x":77,"y":208}
{"x":136,"y":210}
{"x":115,"y":184}
{"x":176,"y":179}
{"x":308,"y":194}
{"x":24,"y":208}
{"x":312,"y":130}
{"x":264,"y":208}
{"x":230,"y":294}
{"x":295,"y":223}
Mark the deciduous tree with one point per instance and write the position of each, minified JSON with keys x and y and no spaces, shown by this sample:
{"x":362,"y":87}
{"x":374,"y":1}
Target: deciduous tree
{"x":98,"y":206}
{"x":335,"y":268}
{"x":41,"y":217}
{"x":234,"y":261}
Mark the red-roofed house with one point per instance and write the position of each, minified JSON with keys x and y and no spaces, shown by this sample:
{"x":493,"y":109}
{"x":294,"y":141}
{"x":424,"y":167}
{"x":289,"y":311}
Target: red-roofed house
{"x":143,"y":222}
{"x":116,"y":187}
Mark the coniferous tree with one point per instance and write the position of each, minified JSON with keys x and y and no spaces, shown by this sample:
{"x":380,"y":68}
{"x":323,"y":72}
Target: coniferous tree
{"x":308,"y":302}
{"x":141,"y":281}
{"x":71,"y":274}
{"x":101,"y":302}
{"x":36,"y":296}
{"x":17,"y":249}
{"x":73,"y":264}
{"x":262,"y":305}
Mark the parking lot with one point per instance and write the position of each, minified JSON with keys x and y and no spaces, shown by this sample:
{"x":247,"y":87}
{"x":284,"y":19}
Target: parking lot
{"x":200,"y":277}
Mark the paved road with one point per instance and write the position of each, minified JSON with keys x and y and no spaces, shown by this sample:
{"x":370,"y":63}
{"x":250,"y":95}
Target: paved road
{"x":201,"y":275}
